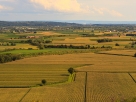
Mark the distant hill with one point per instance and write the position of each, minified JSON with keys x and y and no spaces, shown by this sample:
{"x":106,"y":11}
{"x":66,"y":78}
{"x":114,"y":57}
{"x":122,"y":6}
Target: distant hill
{"x":36,"y":23}
{"x":98,"y":22}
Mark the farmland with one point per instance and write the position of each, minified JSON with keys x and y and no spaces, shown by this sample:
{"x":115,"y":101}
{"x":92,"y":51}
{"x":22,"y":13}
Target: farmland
{"x":105,"y":81}
{"x":31,"y":75}
{"x":108,"y":87}
{"x":102,"y":57}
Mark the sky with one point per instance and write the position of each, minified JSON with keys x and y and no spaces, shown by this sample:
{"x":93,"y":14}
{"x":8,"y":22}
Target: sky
{"x":51,"y":10}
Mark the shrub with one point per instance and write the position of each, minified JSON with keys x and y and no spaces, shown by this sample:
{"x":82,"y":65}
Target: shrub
{"x":43,"y":81}
{"x":135,"y":55}
{"x":71,"y":70}
{"x":116,"y":44}
{"x":30,"y":48}
{"x":9,"y":57}
{"x":104,"y":40}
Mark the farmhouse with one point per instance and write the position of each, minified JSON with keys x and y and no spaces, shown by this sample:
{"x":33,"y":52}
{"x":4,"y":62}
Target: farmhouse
{"x":31,"y":37}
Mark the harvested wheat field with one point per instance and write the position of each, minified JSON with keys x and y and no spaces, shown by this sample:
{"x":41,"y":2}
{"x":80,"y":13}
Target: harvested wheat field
{"x":12,"y":94}
{"x":27,"y":75}
{"x":121,"y":52}
{"x":79,"y":41}
{"x":133,"y":75}
{"x":96,"y":62}
{"x":99,"y":77}
{"x":49,"y":33}
{"x":110,"y":87}
{"x":19,"y":46}
{"x":72,"y":92}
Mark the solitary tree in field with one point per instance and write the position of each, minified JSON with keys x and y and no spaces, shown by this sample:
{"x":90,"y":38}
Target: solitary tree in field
{"x":43,"y":81}
{"x":71,"y":70}
{"x":116,"y":44}
{"x":135,"y":55}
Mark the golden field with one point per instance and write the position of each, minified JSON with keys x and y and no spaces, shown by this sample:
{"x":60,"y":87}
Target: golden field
{"x":107,"y":80}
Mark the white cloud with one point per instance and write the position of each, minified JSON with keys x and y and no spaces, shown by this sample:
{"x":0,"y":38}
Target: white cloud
{"x":60,"y":5}
{"x":98,"y":10}
{"x":4,"y":8}
{"x":103,"y":11}
{"x":1,"y":7}
{"x":115,"y":13}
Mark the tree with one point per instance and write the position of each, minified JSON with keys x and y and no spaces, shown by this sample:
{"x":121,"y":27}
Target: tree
{"x":71,"y":70}
{"x":135,"y":55}
{"x":116,"y":44}
{"x":43,"y":81}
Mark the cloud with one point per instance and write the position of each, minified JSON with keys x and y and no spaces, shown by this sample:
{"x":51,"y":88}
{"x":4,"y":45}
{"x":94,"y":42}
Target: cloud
{"x":60,"y":5}
{"x":98,"y":10}
{"x":103,"y":11}
{"x":4,"y":8}
{"x":115,"y":13}
{"x":1,"y":7}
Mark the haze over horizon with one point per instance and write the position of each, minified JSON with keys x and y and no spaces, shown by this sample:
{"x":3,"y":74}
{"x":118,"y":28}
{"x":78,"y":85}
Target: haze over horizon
{"x":50,"y":10}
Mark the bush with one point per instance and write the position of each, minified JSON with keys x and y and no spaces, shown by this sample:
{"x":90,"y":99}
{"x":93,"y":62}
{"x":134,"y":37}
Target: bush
{"x":9,"y":57}
{"x":116,"y":44}
{"x":48,"y":41}
{"x":30,"y":48}
{"x":135,"y":55}
{"x":71,"y":70}
{"x":104,"y":40}
{"x":43,"y":81}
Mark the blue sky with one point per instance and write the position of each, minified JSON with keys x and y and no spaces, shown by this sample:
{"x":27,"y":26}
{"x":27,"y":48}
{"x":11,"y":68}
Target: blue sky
{"x":47,"y":10}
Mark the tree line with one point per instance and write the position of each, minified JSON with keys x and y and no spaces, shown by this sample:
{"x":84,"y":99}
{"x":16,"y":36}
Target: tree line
{"x":104,"y":40}
{"x":8,"y":44}
{"x":9,"y":57}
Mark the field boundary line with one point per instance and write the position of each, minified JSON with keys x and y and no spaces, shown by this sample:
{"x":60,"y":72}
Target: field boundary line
{"x":15,"y":87}
{"x":113,"y":54}
{"x":85,"y":86}
{"x":109,"y":71}
{"x":75,"y":77}
{"x":132,"y":77}
{"x":25,"y":95}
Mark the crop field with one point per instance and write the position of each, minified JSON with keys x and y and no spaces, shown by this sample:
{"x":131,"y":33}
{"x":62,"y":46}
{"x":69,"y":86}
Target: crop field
{"x":12,"y":94}
{"x":124,"y":41}
{"x":133,"y":76}
{"x":108,"y":77}
{"x":71,"y":92}
{"x":18,"y":46}
{"x":48,"y":33}
{"x":101,"y":74}
{"x":96,"y":62}
{"x":76,"y":40}
{"x":27,"y":75}
{"x":110,"y":87}
{"x":120,"y":52}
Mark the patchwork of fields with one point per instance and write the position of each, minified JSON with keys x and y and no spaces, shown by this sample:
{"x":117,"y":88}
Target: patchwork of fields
{"x":99,"y":78}
{"x":102,"y":56}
